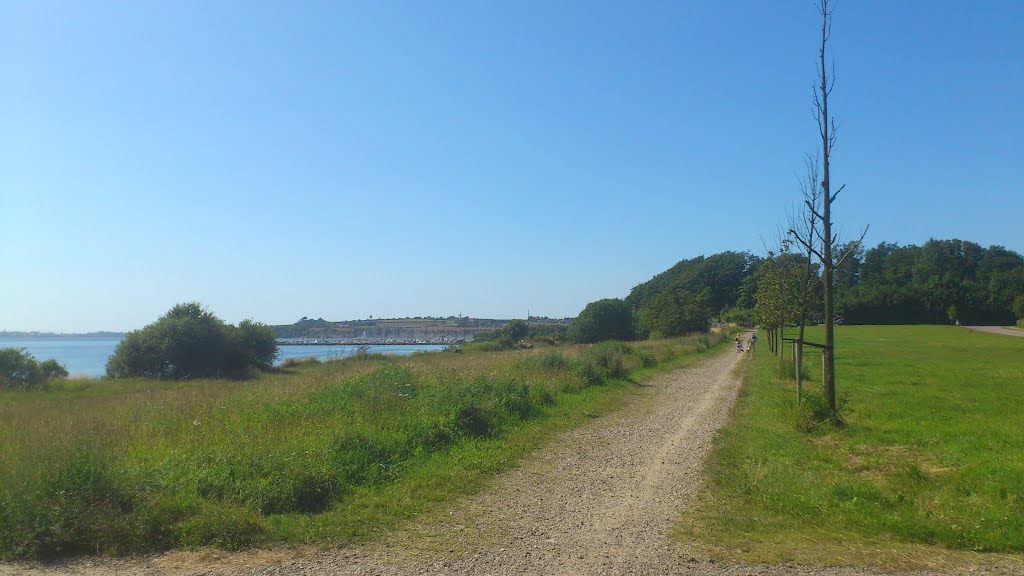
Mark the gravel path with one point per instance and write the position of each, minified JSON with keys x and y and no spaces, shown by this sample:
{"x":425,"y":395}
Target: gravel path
{"x":997,"y":330}
{"x":598,"y":500}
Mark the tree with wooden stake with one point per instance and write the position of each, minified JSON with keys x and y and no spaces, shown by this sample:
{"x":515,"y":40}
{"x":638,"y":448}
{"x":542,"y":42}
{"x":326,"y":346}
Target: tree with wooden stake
{"x":826,"y":242}
{"x":802,"y":225}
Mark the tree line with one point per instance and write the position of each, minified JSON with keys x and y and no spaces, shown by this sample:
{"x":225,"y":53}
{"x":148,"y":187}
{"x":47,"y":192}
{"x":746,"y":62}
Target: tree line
{"x":941,"y":282}
{"x":938,"y":283}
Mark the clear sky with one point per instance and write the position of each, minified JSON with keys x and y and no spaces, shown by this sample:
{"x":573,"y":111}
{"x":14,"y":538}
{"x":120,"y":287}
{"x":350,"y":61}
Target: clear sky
{"x":275,"y":160}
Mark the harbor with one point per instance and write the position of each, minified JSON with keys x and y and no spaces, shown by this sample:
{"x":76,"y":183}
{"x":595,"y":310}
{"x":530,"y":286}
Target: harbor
{"x":368,"y":342}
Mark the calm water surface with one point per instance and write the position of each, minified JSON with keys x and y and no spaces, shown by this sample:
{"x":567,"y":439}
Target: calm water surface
{"x":88,"y":356}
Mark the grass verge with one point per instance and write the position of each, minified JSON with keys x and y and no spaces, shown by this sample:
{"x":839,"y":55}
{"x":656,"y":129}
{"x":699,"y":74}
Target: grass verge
{"x":317,"y":454}
{"x":926,"y":471}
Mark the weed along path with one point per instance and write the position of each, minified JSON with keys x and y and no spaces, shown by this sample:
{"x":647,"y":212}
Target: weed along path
{"x":599,"y":499}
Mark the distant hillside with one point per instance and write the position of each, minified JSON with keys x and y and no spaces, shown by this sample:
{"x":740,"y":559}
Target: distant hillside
{"x":426,"y":328}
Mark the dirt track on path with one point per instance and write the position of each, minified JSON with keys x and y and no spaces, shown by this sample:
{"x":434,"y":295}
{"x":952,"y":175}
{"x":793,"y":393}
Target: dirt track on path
{"x":597,"y":500}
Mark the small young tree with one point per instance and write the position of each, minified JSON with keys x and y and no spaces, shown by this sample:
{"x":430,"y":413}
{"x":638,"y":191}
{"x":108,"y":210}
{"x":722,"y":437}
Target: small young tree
{"x":777,"y":289}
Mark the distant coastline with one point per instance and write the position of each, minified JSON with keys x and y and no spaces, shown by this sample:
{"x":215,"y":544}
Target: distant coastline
{"x":409,"y":330}
{"x":4,"y":335}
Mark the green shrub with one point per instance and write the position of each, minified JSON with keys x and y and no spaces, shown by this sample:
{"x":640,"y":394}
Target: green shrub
{"x":610,"y":357}
{"x":1018,"y":307}
{"x":550,"y":361}
{"x":1020,"y":323}
{"x":541,"y":395}
{"x":739,"y":316}
{"x":296,"y":362}
{"x":608,"y":319}
{"x":476,"y":421}
{"x":190,"y":342}
{"x":218,"y":524}
{"x":591,"y":373}
{"x":78,"y":507}
{"x":19,"y":369}
{"x":514,"y":399}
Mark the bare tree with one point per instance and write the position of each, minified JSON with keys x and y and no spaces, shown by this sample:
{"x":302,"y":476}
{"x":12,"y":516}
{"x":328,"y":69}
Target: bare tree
{"x":826,"y":242}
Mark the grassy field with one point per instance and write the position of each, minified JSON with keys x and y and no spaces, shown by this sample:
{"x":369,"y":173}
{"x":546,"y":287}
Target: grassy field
{"x":323,"y":453}
{"x":927,"y":470}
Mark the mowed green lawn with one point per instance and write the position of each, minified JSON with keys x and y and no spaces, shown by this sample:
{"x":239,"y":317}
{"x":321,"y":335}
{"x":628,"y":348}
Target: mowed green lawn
{"x":929,"y":462}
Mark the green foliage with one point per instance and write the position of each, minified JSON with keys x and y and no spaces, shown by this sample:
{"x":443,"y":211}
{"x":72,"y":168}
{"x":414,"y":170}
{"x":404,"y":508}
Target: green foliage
{"x":779,"y":286}
{"x":888,"y":284}
{"x":52,"y":369}
{"x":1018,"y":306}
{"x":739,"y":316}
{"x":20,"y":370}
{"x":919,"y":284}
{"x":511,"y":334}
{"x":254,"y":343}
{"x":516,"y":330}
{"x":675,"y":312}
{"x":549,"y":333}
{"x":608,"y":319}
{"x":928,"y":454}
{"x":190,"y":342}
{"x":721,"y":275}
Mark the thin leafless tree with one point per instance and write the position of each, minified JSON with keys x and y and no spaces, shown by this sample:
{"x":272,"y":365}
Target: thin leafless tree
{"x":824,"y":246}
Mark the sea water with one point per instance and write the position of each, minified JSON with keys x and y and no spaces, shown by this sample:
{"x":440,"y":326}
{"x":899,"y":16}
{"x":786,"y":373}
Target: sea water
{"x":88,"y":356}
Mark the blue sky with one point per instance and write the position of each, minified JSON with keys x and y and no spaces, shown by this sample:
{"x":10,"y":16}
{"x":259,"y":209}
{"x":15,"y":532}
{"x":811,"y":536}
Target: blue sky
{"x":341,"y":160}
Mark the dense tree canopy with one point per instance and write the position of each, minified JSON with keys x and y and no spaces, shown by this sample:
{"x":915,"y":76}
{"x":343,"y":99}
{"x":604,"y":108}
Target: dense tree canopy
{"x":937,"y":283}
{"x":912,"y":284}
{"x":676,"y":311}
{"x":719,"y":274}
{"x":685,"y":297}
{"x":189,"y":341}
{"x":608,"y":319}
